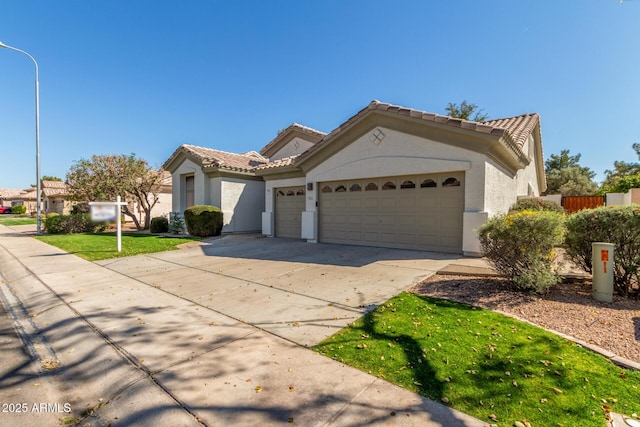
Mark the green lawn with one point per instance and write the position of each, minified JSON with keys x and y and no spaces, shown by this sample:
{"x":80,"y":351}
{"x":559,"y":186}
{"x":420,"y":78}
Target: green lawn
{"x":95,"y":247}
{"x":487,"y":365}
{"x":15,"y":220}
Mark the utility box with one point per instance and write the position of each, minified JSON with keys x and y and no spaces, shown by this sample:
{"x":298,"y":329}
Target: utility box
{"x":602,"y":267}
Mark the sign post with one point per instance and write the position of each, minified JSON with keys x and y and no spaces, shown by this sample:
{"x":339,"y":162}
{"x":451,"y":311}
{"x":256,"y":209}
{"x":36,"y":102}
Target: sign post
{"x":109,"y":211}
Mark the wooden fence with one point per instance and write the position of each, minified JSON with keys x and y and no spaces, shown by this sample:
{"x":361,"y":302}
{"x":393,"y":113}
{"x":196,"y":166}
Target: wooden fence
{"x":575,"y":203}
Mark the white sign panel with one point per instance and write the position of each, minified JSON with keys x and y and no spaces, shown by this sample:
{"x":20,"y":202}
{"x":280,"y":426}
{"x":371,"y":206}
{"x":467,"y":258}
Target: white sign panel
{"x":104,"y":212}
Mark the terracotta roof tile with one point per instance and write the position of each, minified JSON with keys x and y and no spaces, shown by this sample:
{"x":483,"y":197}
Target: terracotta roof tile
{"x":222,"y":159}
{"x":287,"y":161}
{"x":519,"y":127}
{"x":6,"y":193}
{"x":54,"y":188}
{"x":54,"y":184}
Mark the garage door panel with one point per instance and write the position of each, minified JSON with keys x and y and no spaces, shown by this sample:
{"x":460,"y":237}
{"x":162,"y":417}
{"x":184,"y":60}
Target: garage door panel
{"x":355,"y":203}
{"x":428,"y":218}
{"x":369,"y":220}
{"x":387,"y":238}
{"x":370,"y":237}
{"x":388,"y":202}
{"x":370,"y":203}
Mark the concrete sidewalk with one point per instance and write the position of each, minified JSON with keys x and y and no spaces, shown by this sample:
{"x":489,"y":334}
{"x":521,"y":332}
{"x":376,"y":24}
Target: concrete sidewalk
{"x":203,"y":336}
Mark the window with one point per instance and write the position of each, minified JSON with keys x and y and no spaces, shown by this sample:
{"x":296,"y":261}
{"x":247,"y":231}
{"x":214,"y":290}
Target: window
{"x":326,"y":189}
{"x":389,"y":186}
{"x":290,"y":193}
{"x":280,"y":193}
{"x":428,"y":183}
{"x":355,"y":187}
{"x":189,"y":190}
{"x":300,"y":192}
{"x":408,"y":184}
{"x":451,"y":182}
{"x":341,"y":189}
{"x":372,"y":186}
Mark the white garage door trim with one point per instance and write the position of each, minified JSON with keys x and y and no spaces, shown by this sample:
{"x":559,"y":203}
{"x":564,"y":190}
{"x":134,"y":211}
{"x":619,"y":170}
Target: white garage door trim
{"x":421,"y":212}
{"x":289,"y":205}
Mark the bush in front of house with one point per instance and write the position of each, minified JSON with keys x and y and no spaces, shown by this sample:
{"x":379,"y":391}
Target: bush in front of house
{"x":159,"y":224}
{"x":203,"y":220}
{"x":520,"y":245}
{"x":536,"y":204}
{"x":619,"y":225}
{"x":176,"y":223}
{"x":19,"y":209}
{"x":70,"y":224}
{"x":54,"y":224}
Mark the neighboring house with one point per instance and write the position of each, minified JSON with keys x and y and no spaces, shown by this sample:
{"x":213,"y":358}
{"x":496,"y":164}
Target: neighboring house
{"x":389,"y":176}
{"x":25,"y":198}
{"x":55,"y":197}
{"x":9,"y":195}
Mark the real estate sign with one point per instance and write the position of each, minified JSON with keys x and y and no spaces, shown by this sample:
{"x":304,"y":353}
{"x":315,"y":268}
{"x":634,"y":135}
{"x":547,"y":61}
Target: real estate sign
{"x":108,"y":211}
{"x":104,"y":212}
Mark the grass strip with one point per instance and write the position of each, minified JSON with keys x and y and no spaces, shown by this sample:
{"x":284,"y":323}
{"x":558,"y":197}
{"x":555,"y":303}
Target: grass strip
{"x":487,"y":365}
{"x":95,"y":247}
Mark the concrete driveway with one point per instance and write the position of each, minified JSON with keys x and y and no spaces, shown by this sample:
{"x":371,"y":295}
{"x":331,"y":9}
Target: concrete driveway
{"x":213,"y":334}
{"x":298,"y":291}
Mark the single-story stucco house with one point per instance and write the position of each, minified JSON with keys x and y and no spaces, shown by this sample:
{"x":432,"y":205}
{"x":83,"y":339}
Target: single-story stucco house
{"x":389,"y":176}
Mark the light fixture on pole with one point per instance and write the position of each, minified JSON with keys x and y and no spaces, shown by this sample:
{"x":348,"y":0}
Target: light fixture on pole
{"x":38,"y":220}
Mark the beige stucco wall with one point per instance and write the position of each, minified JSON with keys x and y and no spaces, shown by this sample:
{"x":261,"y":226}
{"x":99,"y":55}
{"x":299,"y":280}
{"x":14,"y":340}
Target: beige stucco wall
{"x":290,"y":148}
{"x":242,"y":203}
{"x":163,"y":206}
{"x":501,"y":190}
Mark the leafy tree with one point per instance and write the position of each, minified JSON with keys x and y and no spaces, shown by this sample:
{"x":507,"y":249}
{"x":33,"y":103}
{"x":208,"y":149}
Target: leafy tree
{"x":465,"y":111}
{"x":106,"y":176}
{"x":622,"y":169}
{"x":565,"y":175}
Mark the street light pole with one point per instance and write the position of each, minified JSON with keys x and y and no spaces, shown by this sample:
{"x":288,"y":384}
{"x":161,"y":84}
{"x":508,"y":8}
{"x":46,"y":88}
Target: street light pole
{"x":38,"y":218}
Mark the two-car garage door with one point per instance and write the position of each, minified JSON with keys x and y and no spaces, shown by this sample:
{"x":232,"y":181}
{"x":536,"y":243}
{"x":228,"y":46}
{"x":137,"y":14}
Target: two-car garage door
{"x":411,"y":212}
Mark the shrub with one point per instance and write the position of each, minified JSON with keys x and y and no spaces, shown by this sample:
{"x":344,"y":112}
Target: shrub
{"x":176,"y":223}
{"x":19,"y":209}
{"x":619,"y":225}
{"x":536,"y":204}
{"x":159,"y":224}
{"x":520,"y":245}
{"x":203,"y":220}
{"x":55,"y":224}
{"x":69,"y":224}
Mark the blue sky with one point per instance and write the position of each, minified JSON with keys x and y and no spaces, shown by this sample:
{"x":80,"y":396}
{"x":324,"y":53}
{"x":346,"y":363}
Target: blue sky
{"x":143,"y":77}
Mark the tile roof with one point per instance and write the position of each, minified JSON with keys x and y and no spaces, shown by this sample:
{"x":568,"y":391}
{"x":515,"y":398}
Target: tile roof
{"x":7,"y":193}
{"x":316,"y":134}
{"x":54,"y":188}
{"x":514,"y":129}
{"x":287,"y":161}
{"x":209,"y":157}
{"x":54,"y":184}
{"x":518,"y":127}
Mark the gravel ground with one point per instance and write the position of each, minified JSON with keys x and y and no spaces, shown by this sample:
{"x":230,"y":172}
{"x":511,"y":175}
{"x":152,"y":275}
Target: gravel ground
{"x":567,"y":308}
